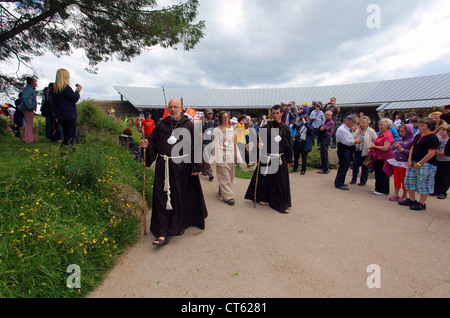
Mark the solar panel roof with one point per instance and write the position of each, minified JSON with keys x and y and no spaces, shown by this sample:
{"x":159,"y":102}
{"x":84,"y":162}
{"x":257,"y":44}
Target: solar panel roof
{"x":423,"y":92}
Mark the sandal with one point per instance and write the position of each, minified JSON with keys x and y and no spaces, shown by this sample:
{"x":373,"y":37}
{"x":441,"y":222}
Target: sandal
{"x":263,"y":203}
{"x":160,"y":242}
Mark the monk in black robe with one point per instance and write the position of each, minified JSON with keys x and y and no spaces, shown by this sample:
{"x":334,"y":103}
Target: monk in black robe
{"x":273,"y":186}
{"x":178,"y":200}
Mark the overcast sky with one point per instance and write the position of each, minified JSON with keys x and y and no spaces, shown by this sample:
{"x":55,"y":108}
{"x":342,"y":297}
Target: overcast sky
{"x":283,"y":43}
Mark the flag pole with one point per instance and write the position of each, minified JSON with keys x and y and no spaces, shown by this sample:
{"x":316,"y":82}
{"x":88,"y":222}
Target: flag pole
{"x":257,"y":173}
{"x":166,"y":111}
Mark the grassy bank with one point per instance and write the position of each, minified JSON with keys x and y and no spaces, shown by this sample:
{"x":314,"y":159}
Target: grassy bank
{"x":60,"y":211}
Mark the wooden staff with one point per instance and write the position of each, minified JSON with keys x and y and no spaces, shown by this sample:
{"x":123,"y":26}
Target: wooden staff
{"x":257,"y":174}
{"x":143,"y":187}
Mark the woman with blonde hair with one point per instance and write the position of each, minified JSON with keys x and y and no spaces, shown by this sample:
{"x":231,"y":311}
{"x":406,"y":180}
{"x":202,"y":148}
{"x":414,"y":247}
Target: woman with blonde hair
{"x":439,"y":121}
{"x":65,"y":106}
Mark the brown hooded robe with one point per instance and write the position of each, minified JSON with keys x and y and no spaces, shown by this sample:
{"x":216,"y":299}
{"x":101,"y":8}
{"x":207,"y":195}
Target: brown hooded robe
{"x":186,"y":193}
{"x":274,"y":188}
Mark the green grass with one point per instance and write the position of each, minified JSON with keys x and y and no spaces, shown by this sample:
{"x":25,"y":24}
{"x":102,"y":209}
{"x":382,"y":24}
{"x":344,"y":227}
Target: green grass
{"x":56,"y":211}
{"x":244,"y":174}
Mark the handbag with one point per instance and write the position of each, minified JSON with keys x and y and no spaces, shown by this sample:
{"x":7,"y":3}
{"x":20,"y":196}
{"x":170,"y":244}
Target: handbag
{"x":368,"y":161}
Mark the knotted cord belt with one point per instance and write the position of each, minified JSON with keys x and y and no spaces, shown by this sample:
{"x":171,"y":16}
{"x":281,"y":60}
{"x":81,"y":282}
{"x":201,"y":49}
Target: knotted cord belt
{"x":269,"y":156}
{"x":167,"y":179}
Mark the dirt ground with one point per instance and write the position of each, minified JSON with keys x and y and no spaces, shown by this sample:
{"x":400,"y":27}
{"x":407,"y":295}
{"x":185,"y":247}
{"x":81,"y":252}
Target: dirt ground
{"x":326,"y":247}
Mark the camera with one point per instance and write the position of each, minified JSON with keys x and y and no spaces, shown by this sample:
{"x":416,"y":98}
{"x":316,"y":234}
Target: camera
{"x":447,"y":106}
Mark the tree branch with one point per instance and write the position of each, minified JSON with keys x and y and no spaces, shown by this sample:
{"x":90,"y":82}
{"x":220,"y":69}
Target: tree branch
{"x":5,"y":36}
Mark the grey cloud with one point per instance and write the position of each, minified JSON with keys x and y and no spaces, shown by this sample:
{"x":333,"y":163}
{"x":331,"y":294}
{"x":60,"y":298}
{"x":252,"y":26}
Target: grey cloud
{"x":274,"y":44}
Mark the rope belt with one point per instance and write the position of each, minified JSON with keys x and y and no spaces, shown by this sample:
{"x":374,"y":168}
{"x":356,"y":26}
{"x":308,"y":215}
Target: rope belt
{"x":269,"y":156}
{"x":167,"y":179}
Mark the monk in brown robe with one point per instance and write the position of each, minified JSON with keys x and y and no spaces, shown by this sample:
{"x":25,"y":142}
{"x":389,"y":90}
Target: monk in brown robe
{"x":178,"y":200}
{"x":271,"y":177}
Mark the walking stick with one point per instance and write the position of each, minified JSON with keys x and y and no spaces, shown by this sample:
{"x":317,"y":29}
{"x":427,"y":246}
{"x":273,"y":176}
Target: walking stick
{"x":257,"y":175}
{"x":143,"y":186}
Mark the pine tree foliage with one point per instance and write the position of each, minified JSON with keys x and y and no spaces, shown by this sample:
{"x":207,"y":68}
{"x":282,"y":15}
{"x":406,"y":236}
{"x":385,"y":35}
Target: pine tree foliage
{"x":105,"y":29}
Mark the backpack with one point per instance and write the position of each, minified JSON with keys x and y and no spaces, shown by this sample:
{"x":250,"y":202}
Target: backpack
{"x":300,"y":130}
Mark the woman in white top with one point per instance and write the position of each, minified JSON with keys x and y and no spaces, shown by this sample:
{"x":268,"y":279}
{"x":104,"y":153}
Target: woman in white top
{"x":224,"y":156}
{"x":368,"y":135}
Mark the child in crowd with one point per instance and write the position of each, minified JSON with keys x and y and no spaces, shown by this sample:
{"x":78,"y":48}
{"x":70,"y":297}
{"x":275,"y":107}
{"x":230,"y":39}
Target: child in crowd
{"x":422,"y":164}
{"x":442,"y":180}
{"x":415,"y":123}
{"x":401,"y":150}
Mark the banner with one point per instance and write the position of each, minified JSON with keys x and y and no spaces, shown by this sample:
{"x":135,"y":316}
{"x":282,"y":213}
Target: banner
{"x":166,"y":113}
{"x":190,"y":112}
{"x":198,"y":116}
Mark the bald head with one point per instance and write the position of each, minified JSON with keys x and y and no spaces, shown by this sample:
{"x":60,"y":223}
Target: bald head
{"x":175,"y":109}
{"x":174,"y":102}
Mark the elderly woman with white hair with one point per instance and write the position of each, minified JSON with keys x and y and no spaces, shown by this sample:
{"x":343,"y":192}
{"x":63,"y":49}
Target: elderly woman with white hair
{"x":381,"y":152}
{"x":368,"y":135}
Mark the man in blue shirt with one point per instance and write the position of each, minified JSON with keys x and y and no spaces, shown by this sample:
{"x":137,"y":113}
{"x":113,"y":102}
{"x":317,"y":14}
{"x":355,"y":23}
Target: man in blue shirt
{"x":317,"y":119}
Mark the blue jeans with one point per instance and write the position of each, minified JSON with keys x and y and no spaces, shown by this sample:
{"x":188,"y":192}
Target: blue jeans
{"x":358,"y":162}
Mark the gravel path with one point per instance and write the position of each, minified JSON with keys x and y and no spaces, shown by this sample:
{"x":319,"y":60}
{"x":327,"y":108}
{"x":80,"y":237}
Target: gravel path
{"x":323,"y":248}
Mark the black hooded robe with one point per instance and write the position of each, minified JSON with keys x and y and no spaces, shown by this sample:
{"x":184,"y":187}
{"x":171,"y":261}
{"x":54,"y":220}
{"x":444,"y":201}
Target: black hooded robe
{"x":186,"y":192}
{"x":274,"y":188}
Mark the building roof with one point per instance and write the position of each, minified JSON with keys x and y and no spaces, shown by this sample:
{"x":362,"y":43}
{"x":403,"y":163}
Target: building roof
{"x":389,"y":95}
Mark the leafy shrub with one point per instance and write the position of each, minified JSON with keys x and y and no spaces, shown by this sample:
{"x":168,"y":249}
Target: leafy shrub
{"x":85,"y":165}
{"x":3,"y":124}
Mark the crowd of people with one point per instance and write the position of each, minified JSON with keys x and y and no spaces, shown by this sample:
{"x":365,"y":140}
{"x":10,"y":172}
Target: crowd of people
{"x":411,"y":156}
{"x":22,"y":113}
{"x":418,"y":159}
{"x":58,"y":107}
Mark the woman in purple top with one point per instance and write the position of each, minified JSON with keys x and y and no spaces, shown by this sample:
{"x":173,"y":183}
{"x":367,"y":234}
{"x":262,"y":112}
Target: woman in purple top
{"x":381,"y":152}
{"x":401,"y":150}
